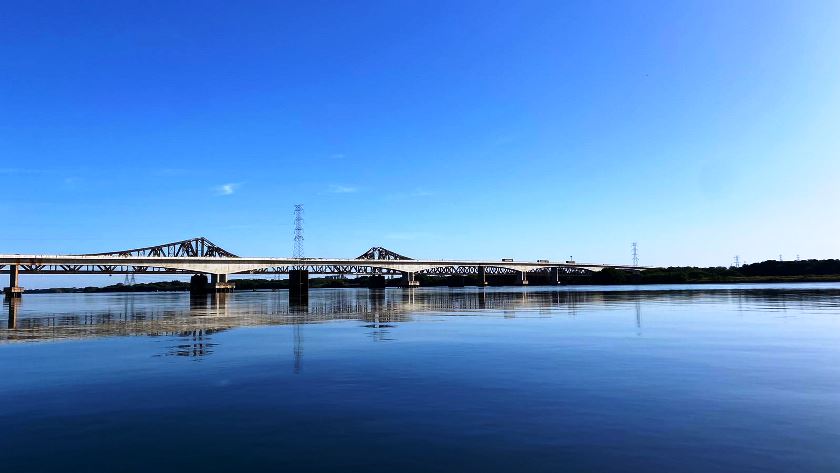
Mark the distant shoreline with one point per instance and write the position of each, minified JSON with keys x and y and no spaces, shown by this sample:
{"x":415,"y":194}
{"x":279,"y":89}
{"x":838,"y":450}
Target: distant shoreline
{"x":770,"y":271}
{"x":243,"y":285}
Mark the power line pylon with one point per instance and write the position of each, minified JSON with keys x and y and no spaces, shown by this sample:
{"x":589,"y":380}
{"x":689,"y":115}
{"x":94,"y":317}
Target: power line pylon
{"x":298,"y":251}
{"x":635,"y":254}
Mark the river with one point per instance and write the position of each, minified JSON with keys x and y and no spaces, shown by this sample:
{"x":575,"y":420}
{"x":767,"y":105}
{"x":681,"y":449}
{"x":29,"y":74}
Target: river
{"x":585,"y":379}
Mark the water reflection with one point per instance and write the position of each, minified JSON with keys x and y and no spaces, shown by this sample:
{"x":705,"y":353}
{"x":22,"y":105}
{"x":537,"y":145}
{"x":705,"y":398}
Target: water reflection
{"x":13,"y":303}
{"x":298,"y":334}
{"x":638,"y":317}
{"x":196,"y":343}
{"x":500,"y":379}
{"x":195,"y":318}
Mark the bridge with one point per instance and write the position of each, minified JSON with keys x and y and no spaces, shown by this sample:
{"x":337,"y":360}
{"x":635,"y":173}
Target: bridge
{"x":200,"y":257}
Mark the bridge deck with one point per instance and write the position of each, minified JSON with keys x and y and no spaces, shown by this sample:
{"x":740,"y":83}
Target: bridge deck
{"x":74,"y":264}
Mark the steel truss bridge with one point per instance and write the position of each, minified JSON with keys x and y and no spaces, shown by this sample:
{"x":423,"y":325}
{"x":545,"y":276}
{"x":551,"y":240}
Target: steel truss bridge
{"x":201,"y":256}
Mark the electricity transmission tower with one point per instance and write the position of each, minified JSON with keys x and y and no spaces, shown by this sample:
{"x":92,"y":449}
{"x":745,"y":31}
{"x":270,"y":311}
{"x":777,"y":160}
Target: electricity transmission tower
{"x":635,"y":254}
{"x":737,"y":261}
{"x":298,"y":251}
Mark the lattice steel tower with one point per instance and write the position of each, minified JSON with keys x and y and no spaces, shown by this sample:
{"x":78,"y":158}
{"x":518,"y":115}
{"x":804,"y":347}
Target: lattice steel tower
{"x":635,"y":254}
{"x":298,"y":252}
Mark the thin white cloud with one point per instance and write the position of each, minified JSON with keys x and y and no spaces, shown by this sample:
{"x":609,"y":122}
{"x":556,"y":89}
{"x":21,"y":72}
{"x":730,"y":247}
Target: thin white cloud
{"x":337,"y":189}
{"x":227,"y":189}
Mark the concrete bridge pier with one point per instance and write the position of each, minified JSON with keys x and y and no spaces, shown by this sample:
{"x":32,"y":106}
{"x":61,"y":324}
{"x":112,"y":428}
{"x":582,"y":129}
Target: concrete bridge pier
{"x":522,"y":278}
{"x":554,"y":276}
{"x":409,"y":281}
{"x":219,"y":283}
{"x":482,"y":276}
{"x":298,"y":287}
{"x":13,"y":291}
{"x":376,"y":281}
{"x":198,"y":284}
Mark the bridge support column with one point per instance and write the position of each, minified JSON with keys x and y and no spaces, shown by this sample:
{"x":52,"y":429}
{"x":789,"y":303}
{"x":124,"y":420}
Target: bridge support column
{"x":219,"y":283}
{"x":409,"y":281}
{"x":13,"y":291}
{"x":376,"y":281}
{"x":298,"y":287}
{"x":554,"y":276}
{"x":522,"y":278}
{"x":482,"y":276}
{"x":198,"y":284}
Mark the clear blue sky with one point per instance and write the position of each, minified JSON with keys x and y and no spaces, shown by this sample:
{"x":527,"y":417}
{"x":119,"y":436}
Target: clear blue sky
{"x":461,"y":129}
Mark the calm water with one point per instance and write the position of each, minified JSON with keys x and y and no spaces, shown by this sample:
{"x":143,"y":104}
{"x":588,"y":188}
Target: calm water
{"x":686,"y":379}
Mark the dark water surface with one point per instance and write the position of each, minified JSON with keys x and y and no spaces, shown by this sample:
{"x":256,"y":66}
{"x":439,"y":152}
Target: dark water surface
{"x":688,"y":379}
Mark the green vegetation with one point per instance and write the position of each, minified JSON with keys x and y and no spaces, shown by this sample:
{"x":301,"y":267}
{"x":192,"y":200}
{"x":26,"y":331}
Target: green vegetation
{"x":163,"y":286}
{"x":766,"y":271}
{"x":174,"y":286}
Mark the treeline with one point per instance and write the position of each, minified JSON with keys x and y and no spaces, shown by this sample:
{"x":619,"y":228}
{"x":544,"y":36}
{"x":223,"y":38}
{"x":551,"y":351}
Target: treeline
{"x":174,"y":286}
{"x":765,"y":271}
{"x":161,"y":286}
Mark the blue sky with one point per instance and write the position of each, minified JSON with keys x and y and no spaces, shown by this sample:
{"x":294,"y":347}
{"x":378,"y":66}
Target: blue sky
{"x":462,"y":129}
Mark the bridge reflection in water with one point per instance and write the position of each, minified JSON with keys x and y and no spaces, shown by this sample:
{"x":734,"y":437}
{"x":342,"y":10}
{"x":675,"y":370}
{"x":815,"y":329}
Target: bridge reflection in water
{"x":194,"y":319}
{"x":179,"y":313}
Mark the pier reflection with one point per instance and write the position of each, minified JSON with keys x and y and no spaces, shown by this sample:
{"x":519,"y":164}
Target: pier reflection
{"x":13,"y":303}
{"x":194,"y":343}
{"x":197,"y":318}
